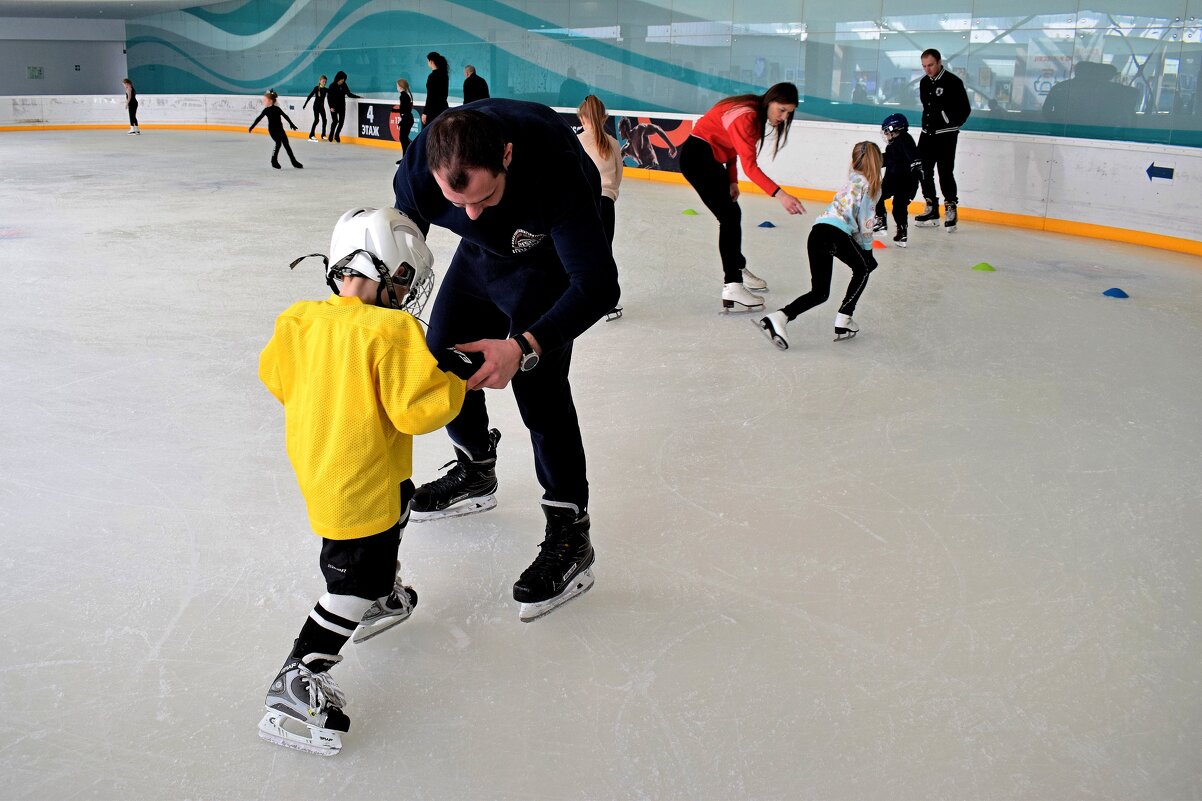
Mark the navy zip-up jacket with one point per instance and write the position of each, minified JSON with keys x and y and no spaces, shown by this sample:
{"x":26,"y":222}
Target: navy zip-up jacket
{"x":546,"y":227}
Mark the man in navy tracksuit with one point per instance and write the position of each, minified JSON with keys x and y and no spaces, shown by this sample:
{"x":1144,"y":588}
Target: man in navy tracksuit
{"x":533,"y":271}
{"x":945,"y":108}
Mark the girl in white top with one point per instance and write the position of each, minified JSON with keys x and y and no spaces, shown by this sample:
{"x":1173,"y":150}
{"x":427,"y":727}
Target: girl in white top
{"x":606,"y":153}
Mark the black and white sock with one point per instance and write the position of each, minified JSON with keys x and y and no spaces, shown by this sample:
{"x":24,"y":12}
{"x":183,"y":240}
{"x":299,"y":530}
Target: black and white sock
{"x":330,"y":624}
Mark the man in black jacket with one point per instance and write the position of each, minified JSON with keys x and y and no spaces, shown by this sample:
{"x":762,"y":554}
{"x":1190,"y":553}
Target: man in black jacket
{"x":474,"y":87}
{"x":945,"y":108}
{"x":533,"y":270}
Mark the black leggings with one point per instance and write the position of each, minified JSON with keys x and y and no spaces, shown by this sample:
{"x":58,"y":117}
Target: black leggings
{"x":133,"y":114}
{"x":319,"y":113}
{"x":827,"y":243}
{"x":282,"y":141}
{"x":405,"y":128}
{"x":337,"y":117}
{"x":712,"y":182}
{"x":608,"y":217}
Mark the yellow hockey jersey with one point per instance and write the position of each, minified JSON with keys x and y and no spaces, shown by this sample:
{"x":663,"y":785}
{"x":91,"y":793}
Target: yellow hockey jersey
{"x":357,"y":382}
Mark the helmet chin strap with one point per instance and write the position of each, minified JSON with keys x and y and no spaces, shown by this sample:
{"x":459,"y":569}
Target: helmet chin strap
{"x":385,"y":284}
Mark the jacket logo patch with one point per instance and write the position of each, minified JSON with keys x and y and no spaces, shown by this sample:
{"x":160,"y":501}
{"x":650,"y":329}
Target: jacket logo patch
{"x":939,"y":91}
{"x":524,"y":240}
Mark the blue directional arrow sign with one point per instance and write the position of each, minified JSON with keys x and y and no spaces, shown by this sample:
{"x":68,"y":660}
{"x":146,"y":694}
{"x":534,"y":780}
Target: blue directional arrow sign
{"x":1159,"y":172}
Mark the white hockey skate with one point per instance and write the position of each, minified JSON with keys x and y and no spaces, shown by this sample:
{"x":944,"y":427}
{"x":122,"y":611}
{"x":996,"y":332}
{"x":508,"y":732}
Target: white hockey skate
{"x":304,"y":707}
{"x":773,"y":327}
{"x":394,"y":609}
{"x":845,"y":327}
{"x":563,"y":568}
{"x":754,"y":282}
{"x":736,"y":299}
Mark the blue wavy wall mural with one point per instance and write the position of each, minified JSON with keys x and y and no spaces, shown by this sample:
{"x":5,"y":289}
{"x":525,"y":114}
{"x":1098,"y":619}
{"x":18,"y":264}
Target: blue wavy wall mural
{"x":854,"y":61}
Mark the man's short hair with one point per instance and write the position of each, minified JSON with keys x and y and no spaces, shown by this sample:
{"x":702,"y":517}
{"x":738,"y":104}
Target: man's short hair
{"x":470,"y":69}
{"x":933,"y":53}
{"x":464,"y":139}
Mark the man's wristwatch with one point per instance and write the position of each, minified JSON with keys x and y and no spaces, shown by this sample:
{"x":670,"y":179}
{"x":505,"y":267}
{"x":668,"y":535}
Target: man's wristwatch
{"x":529,"y":358}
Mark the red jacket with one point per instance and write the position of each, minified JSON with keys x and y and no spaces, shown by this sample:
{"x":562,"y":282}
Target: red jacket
{"x":731,"y":130}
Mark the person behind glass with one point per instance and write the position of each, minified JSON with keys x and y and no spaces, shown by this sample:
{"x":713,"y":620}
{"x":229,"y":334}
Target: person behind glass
{"x":437,"y":87}
{"x":533,"y":270}
{"x":131,"y":105}
{"x":350,"y":442}
{"x":903,"y":172}
{"x":735,"y":130}
{"x":318,"y":96}
{"x":843,"y":232}
{"x":474,"y":87}
{"x":603,"y":149}
{"x":945,"y":108}
{"x":337,"y":96}
{"x":275,"y":126}
{"x":405,"y":112}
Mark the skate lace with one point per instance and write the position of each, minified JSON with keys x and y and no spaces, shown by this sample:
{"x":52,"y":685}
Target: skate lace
{"x":323,"y":692}
{"x":551,"y":556}
{"x":451,"y":479}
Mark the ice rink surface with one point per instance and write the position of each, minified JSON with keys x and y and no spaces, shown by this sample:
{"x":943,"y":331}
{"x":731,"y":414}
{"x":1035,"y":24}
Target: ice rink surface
{"x":957,"y":557}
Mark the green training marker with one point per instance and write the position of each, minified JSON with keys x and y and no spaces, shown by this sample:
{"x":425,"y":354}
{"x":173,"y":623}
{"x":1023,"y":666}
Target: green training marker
{"x":689,"y":213}
{"x":984,"y":267}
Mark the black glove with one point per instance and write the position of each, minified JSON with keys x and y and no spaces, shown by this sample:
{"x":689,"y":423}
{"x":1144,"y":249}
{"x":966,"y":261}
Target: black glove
{"x":459,"y":363}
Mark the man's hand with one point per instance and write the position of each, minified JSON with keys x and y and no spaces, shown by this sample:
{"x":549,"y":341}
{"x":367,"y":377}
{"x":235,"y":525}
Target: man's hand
{"x":502,"y":358}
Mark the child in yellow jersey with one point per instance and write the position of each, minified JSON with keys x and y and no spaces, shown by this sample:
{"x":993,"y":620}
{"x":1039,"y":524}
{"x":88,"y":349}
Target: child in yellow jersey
{"x":357,"y":382}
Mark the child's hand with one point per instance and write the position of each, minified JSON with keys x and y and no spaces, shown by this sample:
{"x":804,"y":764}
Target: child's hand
{"x":294,"y":127}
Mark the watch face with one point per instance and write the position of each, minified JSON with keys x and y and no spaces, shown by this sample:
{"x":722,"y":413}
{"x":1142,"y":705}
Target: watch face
{"x":529,"y":362}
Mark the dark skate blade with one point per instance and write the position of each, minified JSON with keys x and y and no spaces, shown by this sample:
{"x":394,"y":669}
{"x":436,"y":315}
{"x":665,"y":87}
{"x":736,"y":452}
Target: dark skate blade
{"x":739,"y":308}
{"x":469,"y":507}
{"x":771,"y":336}
{"x":846,"y":335}
{"x":613,"y":315}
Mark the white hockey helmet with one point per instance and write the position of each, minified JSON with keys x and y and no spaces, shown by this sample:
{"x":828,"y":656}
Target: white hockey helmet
{"x":385,"y":246}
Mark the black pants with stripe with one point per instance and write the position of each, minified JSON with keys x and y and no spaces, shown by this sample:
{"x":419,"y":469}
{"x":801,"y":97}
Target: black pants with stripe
{"x":939,"y":150}
{"x":827,"y":243}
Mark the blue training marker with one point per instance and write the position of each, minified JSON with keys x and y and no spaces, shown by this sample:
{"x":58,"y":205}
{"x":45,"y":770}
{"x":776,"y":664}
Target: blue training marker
{"x":1115,"y":292}
{"x":767,"y":224}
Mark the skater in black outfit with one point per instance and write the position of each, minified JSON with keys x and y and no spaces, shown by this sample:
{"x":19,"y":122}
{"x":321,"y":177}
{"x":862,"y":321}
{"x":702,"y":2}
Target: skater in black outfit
{"x":275,"y":126}
{"x":945,"y":108}
{"x":903,"y":171}
{"x":474,"y":87}
{"x":131,"y":105}
{"x":318,"y":96}
{"x":405,"y":109}
{"x":533,"y":271}
{"x":337,"y":96}
{"x":437,"y":87}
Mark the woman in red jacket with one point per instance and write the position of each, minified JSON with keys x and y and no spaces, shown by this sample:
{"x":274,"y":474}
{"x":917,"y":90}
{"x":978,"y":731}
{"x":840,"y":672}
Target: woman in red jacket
{"x":735,"y":129}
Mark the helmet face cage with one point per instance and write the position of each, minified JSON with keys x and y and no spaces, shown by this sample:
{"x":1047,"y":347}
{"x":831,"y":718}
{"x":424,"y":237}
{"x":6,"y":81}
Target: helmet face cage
{"x":416,"y":292}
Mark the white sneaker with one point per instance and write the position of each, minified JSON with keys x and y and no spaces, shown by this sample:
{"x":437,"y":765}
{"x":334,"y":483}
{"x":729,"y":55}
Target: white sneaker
{"x":754,"y":282}
{"x":845,"y":327}
{"x":736,"y":298}
{"x":773,"y":327}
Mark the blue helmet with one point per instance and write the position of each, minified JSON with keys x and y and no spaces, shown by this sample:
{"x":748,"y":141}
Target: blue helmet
{"x":895,"y":123}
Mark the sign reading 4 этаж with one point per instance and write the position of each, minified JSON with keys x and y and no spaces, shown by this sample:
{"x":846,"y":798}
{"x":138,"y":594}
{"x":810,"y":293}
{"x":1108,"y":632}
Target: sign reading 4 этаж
{"x":382,"y":121}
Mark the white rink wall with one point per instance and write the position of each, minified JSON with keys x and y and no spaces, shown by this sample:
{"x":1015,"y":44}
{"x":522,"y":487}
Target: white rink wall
{"x":1053,"y":178}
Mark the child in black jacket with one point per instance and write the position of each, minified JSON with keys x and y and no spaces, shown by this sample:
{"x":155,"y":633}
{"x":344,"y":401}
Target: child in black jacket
{"x":903,"y":172}
{"x":275,"y":115}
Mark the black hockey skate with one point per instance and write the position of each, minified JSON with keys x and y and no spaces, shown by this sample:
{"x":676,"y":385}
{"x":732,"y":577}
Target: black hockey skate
{"x":930,"y":215}
{"x":469,"y":487}
{"x":613,"y":314}
{"x":902,"y":236}
{"x":563,"y":568}
{"x":952,"y":216}
{"x":879,"y":226}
